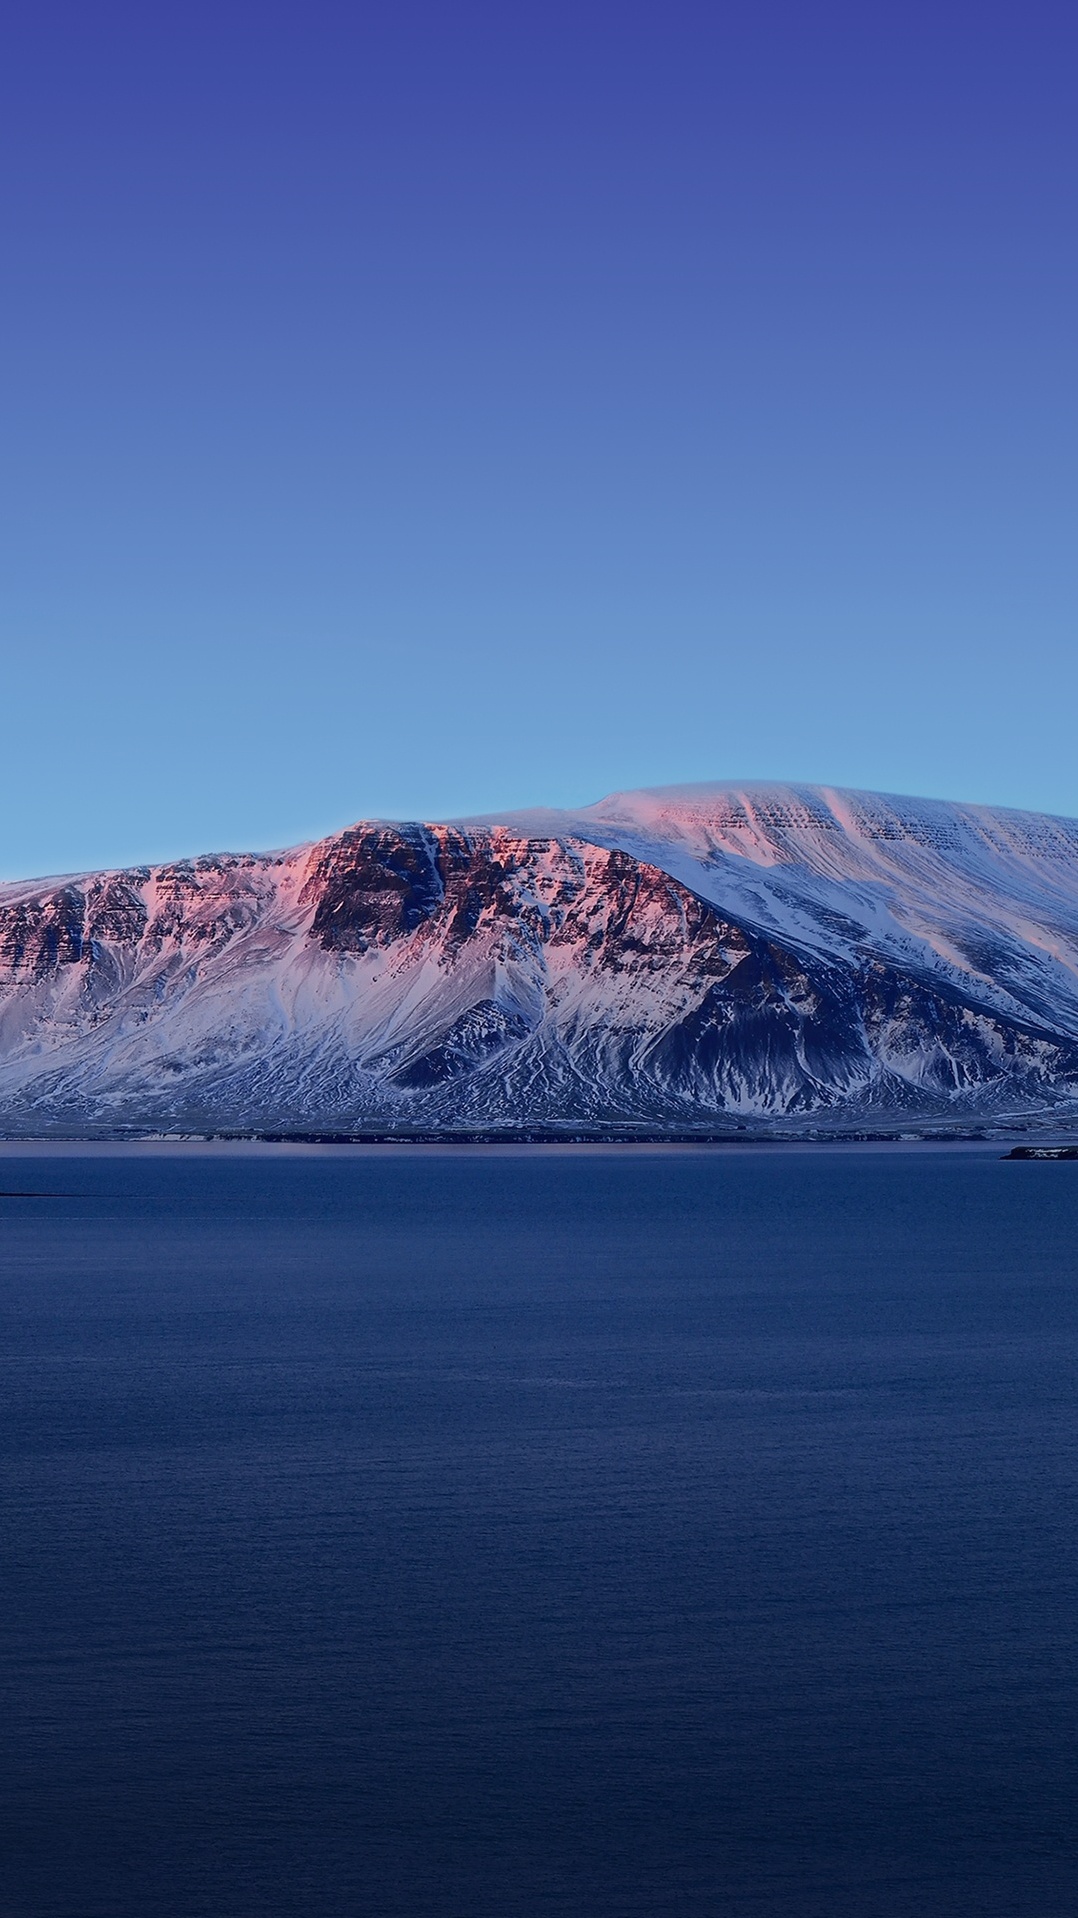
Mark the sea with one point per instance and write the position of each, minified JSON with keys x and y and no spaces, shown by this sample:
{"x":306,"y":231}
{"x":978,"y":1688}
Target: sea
{"x":538,"y":1533}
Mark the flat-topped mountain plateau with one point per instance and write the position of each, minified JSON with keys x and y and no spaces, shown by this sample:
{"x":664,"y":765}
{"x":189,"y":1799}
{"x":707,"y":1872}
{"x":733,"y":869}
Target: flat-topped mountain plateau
{"x":709,"y":959}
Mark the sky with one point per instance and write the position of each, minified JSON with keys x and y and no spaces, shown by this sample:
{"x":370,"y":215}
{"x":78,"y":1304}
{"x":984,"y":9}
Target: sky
{"x":420,"y":410}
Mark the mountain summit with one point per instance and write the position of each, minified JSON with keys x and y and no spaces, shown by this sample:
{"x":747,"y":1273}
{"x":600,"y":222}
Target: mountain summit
{"x":690,"y":958}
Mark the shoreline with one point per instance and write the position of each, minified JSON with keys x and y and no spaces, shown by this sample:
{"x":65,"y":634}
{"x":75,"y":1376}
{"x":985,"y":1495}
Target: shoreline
{"x":1004,"y":1145}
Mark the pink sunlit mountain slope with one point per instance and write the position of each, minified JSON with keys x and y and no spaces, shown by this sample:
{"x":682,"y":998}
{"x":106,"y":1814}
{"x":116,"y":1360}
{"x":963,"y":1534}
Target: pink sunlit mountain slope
{"x":703,"y":958}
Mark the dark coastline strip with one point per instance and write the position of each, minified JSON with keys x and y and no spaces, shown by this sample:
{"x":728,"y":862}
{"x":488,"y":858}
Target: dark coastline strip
{"x":1043,"y":1152}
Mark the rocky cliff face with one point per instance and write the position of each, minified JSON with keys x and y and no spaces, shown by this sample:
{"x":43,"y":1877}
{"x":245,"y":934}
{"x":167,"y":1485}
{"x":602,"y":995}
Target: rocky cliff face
{"x":699,"y":959}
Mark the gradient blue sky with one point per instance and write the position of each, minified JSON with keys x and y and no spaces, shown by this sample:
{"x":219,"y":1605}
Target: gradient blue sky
{"x":415,"y":410}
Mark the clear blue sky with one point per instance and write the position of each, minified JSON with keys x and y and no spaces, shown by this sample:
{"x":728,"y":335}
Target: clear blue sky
{"x":422,"y":409}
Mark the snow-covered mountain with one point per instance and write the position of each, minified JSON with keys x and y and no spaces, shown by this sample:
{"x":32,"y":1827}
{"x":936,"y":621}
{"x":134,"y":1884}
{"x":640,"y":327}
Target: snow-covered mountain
{"x":704,"y":957}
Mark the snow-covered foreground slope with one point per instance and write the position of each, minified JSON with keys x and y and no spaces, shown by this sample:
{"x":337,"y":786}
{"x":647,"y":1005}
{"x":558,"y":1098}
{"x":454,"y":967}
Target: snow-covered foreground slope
{"x":703,"y":957}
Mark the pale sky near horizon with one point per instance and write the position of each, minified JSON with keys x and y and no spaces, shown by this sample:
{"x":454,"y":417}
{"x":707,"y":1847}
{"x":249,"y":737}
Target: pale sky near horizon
{"x":417,"y":411}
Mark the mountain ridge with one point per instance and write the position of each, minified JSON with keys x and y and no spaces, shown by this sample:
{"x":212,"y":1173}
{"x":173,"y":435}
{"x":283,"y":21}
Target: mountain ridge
{"x":699,"y":957}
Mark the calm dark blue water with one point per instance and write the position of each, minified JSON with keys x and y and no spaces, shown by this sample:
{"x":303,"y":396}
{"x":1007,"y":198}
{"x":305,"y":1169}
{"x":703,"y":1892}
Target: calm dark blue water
{"x":606,"y":1533}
